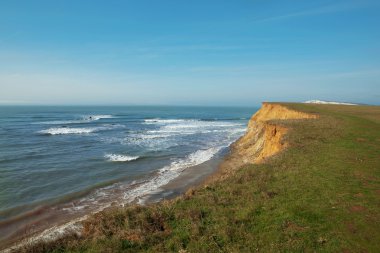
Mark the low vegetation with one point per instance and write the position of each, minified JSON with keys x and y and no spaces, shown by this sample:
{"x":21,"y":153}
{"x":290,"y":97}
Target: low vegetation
{"x":321,"y":195}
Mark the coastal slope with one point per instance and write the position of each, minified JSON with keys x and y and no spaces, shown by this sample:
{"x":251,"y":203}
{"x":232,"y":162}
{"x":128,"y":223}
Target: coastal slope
{"x":304,"y":178}
{"x":264,"y":137}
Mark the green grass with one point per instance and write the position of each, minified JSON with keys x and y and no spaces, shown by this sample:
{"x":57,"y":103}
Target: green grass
{"x":321,"y":195}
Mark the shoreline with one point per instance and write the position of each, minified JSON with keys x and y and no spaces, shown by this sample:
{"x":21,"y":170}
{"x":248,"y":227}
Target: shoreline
{"x":220,"y":166}
{"x":61,"y":224}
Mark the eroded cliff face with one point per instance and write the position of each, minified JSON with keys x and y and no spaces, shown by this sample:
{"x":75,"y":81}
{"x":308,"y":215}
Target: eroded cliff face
{"x":263,"y":139}
{"x":264,"y":136}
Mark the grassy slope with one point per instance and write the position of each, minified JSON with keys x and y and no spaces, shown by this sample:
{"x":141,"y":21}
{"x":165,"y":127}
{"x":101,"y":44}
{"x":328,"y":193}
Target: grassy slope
{"x":322,"y":194}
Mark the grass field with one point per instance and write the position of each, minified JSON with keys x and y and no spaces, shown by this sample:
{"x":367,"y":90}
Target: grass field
{"x":320,"y":195}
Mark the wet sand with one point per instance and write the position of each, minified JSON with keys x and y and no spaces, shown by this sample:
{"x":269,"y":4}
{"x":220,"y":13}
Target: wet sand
{"x":189,"y":178}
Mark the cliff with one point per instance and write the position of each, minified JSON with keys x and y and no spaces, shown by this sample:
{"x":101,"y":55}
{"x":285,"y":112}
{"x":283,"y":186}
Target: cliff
{"x":264,"y":137}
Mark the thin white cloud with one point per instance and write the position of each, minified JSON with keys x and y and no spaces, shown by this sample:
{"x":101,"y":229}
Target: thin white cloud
{"x":358,"y":73}
{"x":327,"y":9}
{"x":261,"y":67}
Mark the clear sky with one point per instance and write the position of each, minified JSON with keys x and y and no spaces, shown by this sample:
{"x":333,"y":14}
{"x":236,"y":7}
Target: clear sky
{"x":198,"y":52}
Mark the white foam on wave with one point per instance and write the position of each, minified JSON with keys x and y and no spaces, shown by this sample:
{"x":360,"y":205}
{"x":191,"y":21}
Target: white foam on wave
{"x":201,"y":125}
{"x":97,"y":117}
{"x":77,"y":130}
{"x":61,"y":122}
{"x":83,"y":119}
{"x":67,"y":130}
{"x":167,"y":121}
{"x":167,"y":133}
{"x":188,"y":126}
{"x":170,"y":172}
{"x":120,"y":158}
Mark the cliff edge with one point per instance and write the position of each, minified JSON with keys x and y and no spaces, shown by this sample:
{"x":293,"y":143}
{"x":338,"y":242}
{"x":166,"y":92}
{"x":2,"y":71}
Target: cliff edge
{"x":264,"y":137}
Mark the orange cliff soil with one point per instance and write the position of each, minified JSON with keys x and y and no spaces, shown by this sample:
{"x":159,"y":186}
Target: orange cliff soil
{"x":263,"y":139}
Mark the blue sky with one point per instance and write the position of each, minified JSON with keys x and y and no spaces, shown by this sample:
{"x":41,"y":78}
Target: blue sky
{"x":189,"y":52}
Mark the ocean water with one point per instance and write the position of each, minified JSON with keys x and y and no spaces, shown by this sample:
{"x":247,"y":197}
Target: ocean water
{"x":73,"y":159}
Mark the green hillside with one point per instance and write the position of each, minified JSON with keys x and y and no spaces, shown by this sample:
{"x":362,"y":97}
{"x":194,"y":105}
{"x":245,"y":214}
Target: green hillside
{"x":320,"y":195}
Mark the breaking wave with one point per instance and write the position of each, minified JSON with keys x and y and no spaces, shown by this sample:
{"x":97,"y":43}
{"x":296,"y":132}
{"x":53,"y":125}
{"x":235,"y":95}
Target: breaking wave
{"x":163,"y":134}
{"x":78,"y":130}
{"x":120,"y":158}
{"x":67,"y":130}
{"x":167,"y":121}
{"x":80,"y":120}
{"x":97,"y":117}
{"x":188,"y":126}
{"x":170,"y":172}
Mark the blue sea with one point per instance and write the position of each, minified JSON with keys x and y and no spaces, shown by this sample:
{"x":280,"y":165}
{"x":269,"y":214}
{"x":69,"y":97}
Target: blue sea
{"x":62,"y":161}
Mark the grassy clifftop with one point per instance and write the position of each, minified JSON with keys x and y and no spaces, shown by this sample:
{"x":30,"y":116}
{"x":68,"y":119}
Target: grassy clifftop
{"x":322,"y":194}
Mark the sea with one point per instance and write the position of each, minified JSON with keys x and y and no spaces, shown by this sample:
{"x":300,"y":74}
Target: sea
{"x":61,"y":162}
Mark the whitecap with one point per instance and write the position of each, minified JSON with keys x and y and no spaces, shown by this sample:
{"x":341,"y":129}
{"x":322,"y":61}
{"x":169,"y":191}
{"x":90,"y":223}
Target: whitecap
{"x":167,"y":121}
{"x":61,"y":122}
{"x":97,"y":117}
{"x":67,"y":130}
{"x":167,"y":133}
{"x":83,"y":119}
{"x":120,"y":158}
{"x":187,"y":126}
{"x":78,"y":130}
